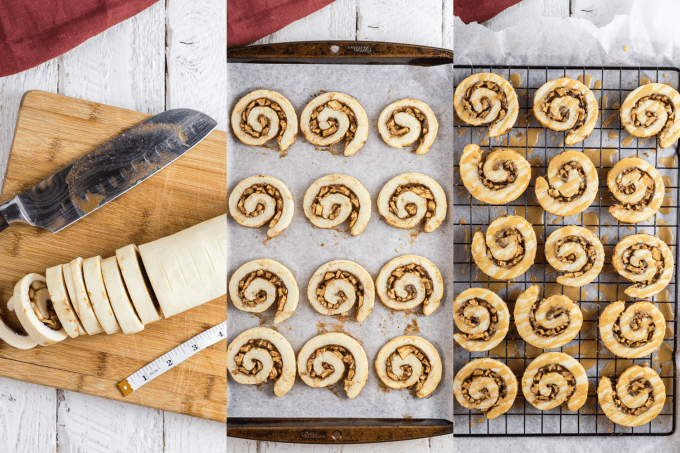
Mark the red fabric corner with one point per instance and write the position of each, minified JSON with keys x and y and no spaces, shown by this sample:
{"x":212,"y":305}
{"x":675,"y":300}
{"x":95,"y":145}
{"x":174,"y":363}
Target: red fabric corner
{"x":480,"y":10}
{"x":34,"y":31}
{"x":250,"y":20}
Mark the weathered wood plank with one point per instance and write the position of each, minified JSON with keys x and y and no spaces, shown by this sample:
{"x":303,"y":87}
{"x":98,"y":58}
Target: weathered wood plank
{"x":185,"y":434}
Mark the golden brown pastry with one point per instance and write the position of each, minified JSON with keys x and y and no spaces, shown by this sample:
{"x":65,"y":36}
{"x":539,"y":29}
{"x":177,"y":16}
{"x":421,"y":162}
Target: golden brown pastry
{"x":507,"y":249}
{"x":500,"y":177}
{"x":651,"y":110}
{"x":339,"y":285}
{"x":646,"y":261}
{"x":570,"y":185}
{"x":408,"y":281}
{"x":487,"y":99}
{"x":487,"y":385}
{"x":638,"y":187}
{"x":409,"y":361}
{"x":407,"y":120}
{"x":410,"y":198}
{"x":331,"y":200}
{"x":482,"y":318}
{"x":262,"y":115}
{"x":632,"y":332}
{"x":260,"y":199}
{"x":577,"y":252}
{"x":637,"y":397}
{"x":554,"y":378}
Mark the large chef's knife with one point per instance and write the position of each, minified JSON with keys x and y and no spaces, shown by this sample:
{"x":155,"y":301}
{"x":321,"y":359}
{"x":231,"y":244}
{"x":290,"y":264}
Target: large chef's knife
{"x":107,"y":172}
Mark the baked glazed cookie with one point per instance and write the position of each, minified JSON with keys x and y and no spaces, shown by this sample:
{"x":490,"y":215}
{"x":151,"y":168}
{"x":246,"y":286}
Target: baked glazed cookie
{"x":638,"y":187}
{"x":567,"y":105}
{"x":554,"y":378}
{"x":262,"y":115}
{"x":646,"y":261}
{"x":339,"y":285}
{"x":500,"y":177}
{"x":577,"y":252}
{"x":652,"y":110}
{"x":570,"y":185}
{"x":632,"y":332}
{"x":259,"y":354}
{"x":487,"y":99}
{"x":332,"y":117}
{"x":258,"y":284}
{"x":331,"y":200}
{"x":33,"y":307}
{"x":549,"y":323}
{"x":409,"y":361}
{"x":407,"y":120}
{"x":409,"y":198}
{"x":487,"y":385}
{"x":482,"y":318}
{"x":330,"y":357}
{"x":507,"y":249}
{"x":408,"y":281}
{"x":636,"y":399}
{"x":260,"y":199}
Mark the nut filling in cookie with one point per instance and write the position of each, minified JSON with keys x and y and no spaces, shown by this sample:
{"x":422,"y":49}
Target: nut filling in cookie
{"x":638,"y":187}
{"x":507,"y":249}
{"x":262,"y":115}
{"x":636,"y":398}
{"x":334,"y":199}
{"x":260,"y":199}
{"x":487,"y":385}
{"x":339,"y":285}
{"x":570,"y":184}
{"x":482,"y":319}
{"x":652,"y":110}
{"x":646,"y":261}
{"x":555,"y":378}
{"x":42,"y":305}
{"x":576,"y":252}
{"x":410,"y":198}
{"x":408,"y":281}
{"x":632,"y":332}
{"x":409,"y":362}
{"x":264,"y":122}
{"x":406,"y":121}
{"x":487,"y":99}
{"x":257,"y":365}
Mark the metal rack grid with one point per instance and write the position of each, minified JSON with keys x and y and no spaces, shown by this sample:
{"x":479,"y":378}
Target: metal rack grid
{"x":611,"y":86}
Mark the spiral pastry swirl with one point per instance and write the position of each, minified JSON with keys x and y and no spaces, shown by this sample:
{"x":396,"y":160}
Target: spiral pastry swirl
{"x":408,"y":361}
{"x":500,"y":177}
{"x":408,"y":281}
{"x":639,"y":188}
{"x":260,"y":354}
{"x":410,"y":198}
{"x":260,"y":199}
{"x":407,"y":120}
{"x":567,"y":105}
{"x":652,"y":110}
{"x":487,"y":385}
{"x":332,"y":117}
{"x":577,"y":252}
{"x":258,"y":284}
{"x":570,"y":185}
{"x":329,"y":357}
{"x":646,"y":261}
{"x":487,"y":99}
{"x":632,"y":332}
{"x":482,"y":318}
{"x":549,"y":323}
{"x":339,"y":285}
{"x":637,"y":398}
{"x":333,"y":199}
{"x":554,"y":378}
{"x":507,"y":249}
{"x":262,"y":115}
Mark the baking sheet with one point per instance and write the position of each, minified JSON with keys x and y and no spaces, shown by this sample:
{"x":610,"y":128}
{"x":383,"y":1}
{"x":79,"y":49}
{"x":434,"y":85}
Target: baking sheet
{"x":303,"y":247}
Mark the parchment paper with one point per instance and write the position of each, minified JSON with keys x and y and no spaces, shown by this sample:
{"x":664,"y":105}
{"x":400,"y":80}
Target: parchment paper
{"x":303,"y":247}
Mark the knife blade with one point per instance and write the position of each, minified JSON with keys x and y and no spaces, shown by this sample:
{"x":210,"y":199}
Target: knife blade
{"x":107,"y":172}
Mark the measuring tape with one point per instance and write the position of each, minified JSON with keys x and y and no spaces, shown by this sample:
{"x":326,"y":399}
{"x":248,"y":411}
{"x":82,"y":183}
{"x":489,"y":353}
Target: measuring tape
{"x":173,"y":358}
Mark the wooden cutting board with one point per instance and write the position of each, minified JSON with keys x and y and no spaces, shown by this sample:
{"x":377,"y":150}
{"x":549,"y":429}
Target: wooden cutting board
{"x":51,"y":131}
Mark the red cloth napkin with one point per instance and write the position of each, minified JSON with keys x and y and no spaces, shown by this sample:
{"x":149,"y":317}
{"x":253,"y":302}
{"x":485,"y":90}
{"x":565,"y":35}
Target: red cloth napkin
{"x":480,"y":10}
{"x":34,"y":31}
{"x":250,"y":20}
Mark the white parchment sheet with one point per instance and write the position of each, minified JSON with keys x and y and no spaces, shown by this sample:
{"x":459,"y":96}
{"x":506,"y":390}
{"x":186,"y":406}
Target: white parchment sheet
{"x":303,"y":247}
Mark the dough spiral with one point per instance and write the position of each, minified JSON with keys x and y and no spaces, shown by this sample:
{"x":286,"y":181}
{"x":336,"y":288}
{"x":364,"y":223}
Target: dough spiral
{"x":487,"y":385}
{"x":262,"y":115}
{"x":646,"y":261}
{"x":339,"y":285}
{"x":637,"y":397}
{"x":639,"y":188}
{"x":409,"y":198}
{"x":408,"y":281}
{"x":333,"y":199}
{"x":482,"y":318}
{"x":632,"y":332}
{"x":409,"y":361}
{"x":407,"y":120}
{"x":260,"y":199}
{"x":487,"y":99}
{"x":652,"y":110}
{"x":570,"y":185}
{"x":507,"y":249}
{"x":554,"y":378}
{"x":500,"y":177}
{"x":577,"y":252}
{"x":33,"y":307}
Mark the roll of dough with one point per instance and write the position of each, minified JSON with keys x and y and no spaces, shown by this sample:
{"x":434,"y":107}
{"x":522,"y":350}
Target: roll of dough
{"x":137,"y":284}
{"x":94,"y":282}
{"x":83,"y":305}
{"x":118,"y":296}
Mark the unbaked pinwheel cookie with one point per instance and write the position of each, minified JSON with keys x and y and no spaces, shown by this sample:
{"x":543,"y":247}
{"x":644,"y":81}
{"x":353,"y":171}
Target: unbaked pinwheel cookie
{"x":333,"y":199}
{"x":652,"y":110}
{"x":260,"y":354}
{"x":339,"y":285}
{"x":646,"y":261}
{"x":549,"y":323}
{"x":487,"y":99}
{"x":260,"y":199}
{"x":554,"y":378}
{"x":638,"y":187}
{"x":330,"y":357}
{"x":570,"y":185}
{"x":632,"y":332}
{"x":332,"y":117}
{"x":262,"y":115}
{"x":507,"y":249}
{"x":498,"y":178}
{"x":567,"y":105}
{"x":487,"y":385}
{"x":576,"y":252}
{"x":33,"y":307}
{"x":259,"y":284}
{"x":11,"y":330}
{"x":61,"y":301}
{"x":482,"y":318}
{"x":409,"y":361}
{"x":407,"y":120}
{"x":637,"y":397}
{"x":408,"y":281}
{"x":410,"y":198}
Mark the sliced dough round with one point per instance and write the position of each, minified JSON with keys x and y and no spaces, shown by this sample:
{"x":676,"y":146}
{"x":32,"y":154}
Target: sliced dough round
{"x":409,"y":198}
{"x":331,"y":200}
{"x":11,"y":330}
{"x":33,"y":307}
{"x":508,"y":248}
{"x":487,"y":99}
{"x":638,"y":186}
{"x":407,"y":120}
{"x":650,"y":110}
{"x":637,"y":398}
{"x":577,"y":252}
{"x":94,"y":282}
{"x":482,"y":317}
{"x":487,"y":385}
{"x":118,"y":296}
{"x":500,"y":177}
{"x":83,"y":305}
{"x":646,"y":261}
{"x":408,"y":281}
{"x":260,"y":199}
{"x":137,"y":284}
{"x":554,"y":378}
{"x":339,"y":285}
{"x":330,"y":357}
{"x":262,"y":115}
{"x":632,"y":332}
{"x":61,"y":301}
{"x":413,"y":353}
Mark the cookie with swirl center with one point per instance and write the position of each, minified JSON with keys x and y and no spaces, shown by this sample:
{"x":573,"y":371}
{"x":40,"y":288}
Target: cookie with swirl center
{"x":333,"y":199}
{"x":507,"y":249}
{"x":260,"y":199}
{"x":498,"y":178}
{"x":634,"y":331}
{"x":487,"y":385}
{"x":407,"y":120}
{"x":409,"y":361}
{"x":487,"y":99}
{"x":411,"y":198}
{"x":482,"y":318}
{"x":650,"y":110}
{"x":646,"y":261}
{"x":339,"y":285}
{"x":638,"y":187}
{"x":636,"y":398}
{"x":555,"y":378}
{"x":262,"y":115}
{"x":408,"y":281}
{"x":577,"y":252}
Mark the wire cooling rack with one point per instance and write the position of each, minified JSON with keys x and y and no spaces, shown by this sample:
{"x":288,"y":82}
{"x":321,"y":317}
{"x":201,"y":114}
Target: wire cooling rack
{"x":608,"y":143}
